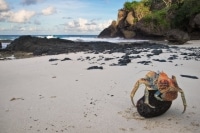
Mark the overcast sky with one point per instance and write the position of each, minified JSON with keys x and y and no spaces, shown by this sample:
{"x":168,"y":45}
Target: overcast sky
{"x":57,"y":16}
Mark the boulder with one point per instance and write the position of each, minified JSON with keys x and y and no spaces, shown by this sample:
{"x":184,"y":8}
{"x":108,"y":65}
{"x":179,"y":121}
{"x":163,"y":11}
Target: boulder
{"x":194,"y":27}
{"x":0,"y":45}
{"x":177,"y":36}
{"x":128,"y":34}
{"x":195,"y":23}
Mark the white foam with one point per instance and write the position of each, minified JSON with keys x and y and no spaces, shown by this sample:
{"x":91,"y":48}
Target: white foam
{"x":4,"y":45}
{"x":93,"y":39}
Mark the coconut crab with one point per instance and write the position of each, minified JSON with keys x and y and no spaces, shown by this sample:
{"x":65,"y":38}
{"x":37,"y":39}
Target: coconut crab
{"x":166,"y":88}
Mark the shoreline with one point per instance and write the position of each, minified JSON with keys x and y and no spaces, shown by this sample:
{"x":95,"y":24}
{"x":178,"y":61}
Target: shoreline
{"x":6,"y":53}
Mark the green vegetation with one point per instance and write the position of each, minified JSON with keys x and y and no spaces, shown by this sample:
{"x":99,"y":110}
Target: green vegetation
{"x":188,"y":9}
{"x":182,"y":10}
{"x":158,"y":18}
{"x":140,"y":9}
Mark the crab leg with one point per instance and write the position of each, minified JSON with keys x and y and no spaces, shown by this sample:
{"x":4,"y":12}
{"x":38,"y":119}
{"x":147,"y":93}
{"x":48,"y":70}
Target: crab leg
{"x":182,"y":94}
{"x":156,"y":95}
{"x":146,"y":98}
{"x":136,"y":86}
{"x":183,"y":99}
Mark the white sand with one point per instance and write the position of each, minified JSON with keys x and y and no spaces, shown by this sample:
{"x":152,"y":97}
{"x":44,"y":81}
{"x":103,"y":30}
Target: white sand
{"x":38,"y":96}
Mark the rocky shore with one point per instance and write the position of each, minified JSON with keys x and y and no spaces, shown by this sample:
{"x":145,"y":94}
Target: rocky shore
{"x":43,"y":46}
{"x":29,"y":46}
{"x":177,"y":21}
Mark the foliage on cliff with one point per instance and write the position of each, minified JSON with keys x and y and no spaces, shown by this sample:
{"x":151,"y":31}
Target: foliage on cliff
{"x":174,"y":20}
{"x":184,"y":12}
{"x":140,"y":9}
{"x":159,"y":11}
{"x":143,"y":9}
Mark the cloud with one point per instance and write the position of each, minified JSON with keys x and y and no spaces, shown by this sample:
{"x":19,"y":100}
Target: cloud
{"x":79,"y":24}
{"x":20,"y":16}
{"x":67,"y":17}
{"x":3,"y":6}
{"x":91,"y":23}
{"x":30,"y":2}
{"x":36,"y":22}
{"x":84,"y":25}
{"x":49,"y":10}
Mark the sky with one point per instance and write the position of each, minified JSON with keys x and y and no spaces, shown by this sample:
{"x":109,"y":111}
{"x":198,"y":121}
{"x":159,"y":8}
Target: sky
{"x":56,"y":17}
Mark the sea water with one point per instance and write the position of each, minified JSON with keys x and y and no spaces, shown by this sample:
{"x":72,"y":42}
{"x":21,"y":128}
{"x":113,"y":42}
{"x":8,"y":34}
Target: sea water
{"x":78,"y":38}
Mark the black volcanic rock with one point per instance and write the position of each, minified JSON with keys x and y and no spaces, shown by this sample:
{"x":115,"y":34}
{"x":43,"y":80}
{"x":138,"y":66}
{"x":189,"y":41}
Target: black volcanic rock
{"x":189,"y":76}
{"x":156,"y":51}
{"x":50,"y":60}
{"x":144,"y":62}
{"x":173,"y":57}
{"x":53,"y":46}
{"x":160,"y":106}
{"x":40,"y":46}
{"x":124,"y":60}
{"x":95,"y":67}
{"x":160,"y":60}
{"x":65,"y":59}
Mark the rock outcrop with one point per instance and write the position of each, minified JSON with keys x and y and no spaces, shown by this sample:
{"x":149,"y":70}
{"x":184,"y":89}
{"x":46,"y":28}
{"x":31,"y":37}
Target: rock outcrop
{"x":111,"y":31}
{"x":40,"y":46}
{"x":118,"y":28}
{"x":53,"y":46}
{"x":130,"y":24}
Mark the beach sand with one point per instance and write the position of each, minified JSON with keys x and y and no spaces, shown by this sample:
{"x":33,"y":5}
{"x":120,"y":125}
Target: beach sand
{"x":38,"y":95}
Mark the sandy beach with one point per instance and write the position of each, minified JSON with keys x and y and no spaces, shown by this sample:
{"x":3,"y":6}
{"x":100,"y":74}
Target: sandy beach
{"x":40,"y":95}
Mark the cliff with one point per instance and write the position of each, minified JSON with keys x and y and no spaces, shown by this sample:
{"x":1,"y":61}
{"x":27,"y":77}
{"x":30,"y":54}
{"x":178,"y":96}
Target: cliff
{"x":175,"y":20}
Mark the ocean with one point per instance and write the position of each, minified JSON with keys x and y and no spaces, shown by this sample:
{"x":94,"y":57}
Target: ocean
{"x":84,"y":38}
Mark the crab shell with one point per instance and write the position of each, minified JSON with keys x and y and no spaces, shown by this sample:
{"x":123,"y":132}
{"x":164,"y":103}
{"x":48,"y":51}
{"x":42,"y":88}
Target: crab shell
{"x":167,"y":86}
{"x":160,"y":106}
